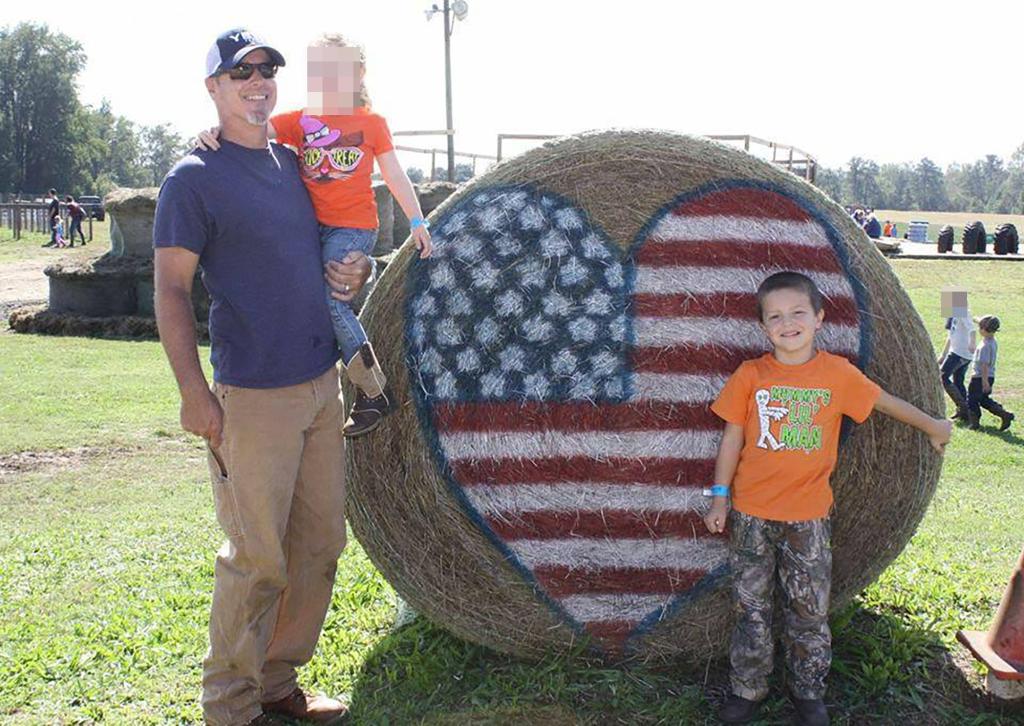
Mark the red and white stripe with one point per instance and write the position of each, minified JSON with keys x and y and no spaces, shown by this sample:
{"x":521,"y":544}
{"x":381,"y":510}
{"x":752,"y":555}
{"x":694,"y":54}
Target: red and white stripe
{"x":602,"y":503}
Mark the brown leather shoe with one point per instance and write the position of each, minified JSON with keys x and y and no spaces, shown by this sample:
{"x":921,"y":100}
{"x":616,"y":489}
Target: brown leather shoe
{"x":301,"y":707}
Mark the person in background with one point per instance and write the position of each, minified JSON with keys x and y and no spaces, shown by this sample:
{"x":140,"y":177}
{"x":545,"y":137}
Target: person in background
{"x":956,"y":354}
{"x":872,"y":227}
{"x":979,"y":393}
{"x":77,"y":214}
{"x":53,"y":213}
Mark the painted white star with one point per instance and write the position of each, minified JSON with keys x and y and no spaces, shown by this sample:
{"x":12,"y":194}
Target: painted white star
{"x":582,"y":330}
{"x":554,"y":244}
{"x":512,"y":358}
{"x":487,"y":332}
{"x":573,"y":272}
{"x":448,"y":332}
{"x":467,"y":360}
{"x":536,"y":385}
{"x":509,"y":304}
{"x":492,"y":384}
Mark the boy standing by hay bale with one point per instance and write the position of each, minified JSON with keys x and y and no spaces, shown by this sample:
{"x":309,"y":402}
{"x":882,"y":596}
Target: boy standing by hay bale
{"x":783,"y":413}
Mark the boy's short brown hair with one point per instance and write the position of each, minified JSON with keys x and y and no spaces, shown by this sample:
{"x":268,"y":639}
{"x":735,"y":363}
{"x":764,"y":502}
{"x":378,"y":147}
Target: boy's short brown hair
{"x":788,"y":280}
{"x":988,"y":323}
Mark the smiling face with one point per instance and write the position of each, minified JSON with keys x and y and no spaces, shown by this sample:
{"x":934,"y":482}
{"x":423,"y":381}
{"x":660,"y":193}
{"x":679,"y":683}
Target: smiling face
{"x":247,"y":102}
{"x":790,"y":322}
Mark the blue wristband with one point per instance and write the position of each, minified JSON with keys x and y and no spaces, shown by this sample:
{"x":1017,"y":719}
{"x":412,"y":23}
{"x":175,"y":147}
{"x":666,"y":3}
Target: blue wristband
{"x":719,"y":490}
{"x":419,"y":222}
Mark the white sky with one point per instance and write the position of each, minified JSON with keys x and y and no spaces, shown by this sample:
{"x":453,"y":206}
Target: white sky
{"x":891,"y":81}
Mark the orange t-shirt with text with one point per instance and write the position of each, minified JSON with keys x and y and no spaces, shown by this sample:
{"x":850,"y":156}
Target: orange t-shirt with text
{"x":336,"y":156}
{"x":791,"y":415}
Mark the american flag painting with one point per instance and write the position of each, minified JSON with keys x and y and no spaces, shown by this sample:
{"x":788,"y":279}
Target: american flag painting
{"x":564,"y":384}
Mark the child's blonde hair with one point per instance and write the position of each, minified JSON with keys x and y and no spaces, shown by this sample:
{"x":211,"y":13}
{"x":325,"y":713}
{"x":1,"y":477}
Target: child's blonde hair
{"x":337,"y":40}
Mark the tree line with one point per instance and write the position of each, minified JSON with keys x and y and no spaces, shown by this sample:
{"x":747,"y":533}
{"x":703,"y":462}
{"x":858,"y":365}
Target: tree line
{"x":986,"y":185}
{"x":48,"y":138}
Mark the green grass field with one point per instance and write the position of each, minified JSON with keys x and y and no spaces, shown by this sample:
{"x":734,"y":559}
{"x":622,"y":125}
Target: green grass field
{"x":108,"y":537}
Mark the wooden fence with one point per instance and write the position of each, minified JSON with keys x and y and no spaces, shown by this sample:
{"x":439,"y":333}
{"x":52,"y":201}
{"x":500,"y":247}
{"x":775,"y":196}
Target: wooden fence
{"x":21,"y":217}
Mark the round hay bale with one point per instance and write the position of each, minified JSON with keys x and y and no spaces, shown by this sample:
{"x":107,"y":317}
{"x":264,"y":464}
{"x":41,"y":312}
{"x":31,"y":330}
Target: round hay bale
{"x":1006,"y":239}
{"x":945,"y":241}
{"x":541,"y":483}
{"x":973,"y":238}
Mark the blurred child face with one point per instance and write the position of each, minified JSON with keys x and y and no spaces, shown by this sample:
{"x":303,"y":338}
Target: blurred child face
{"x":790,"y":323}
{"x":333,"y":78}
{"x":954,"y":302}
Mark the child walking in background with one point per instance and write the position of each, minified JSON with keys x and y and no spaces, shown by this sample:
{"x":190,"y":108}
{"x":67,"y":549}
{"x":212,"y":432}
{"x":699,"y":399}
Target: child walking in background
{"x":782,"y":416}
{"x":980,"y":390}
{"x":957,"y":352}
{"x":338,"y":137}
{"x":58,"y":234}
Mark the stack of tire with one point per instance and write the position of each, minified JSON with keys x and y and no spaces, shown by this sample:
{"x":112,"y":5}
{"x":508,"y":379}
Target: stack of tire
{"x":1006,"y":240}
{"x":974,"y":238}
{"x":946,"y":239}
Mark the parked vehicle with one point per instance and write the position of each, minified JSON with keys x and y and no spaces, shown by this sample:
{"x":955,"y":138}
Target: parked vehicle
{"x":93,"y":207}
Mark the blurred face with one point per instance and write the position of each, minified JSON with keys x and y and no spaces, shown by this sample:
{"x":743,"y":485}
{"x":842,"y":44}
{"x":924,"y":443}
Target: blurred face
{"x":790,"y":323}
{"x":333,"y":79}
{"x":954,"y":302}
{"x":251,"y":100}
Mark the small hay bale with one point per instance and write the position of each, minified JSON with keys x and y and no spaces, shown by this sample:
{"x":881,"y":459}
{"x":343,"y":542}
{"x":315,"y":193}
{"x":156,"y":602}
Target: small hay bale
{"x":554,"y":361}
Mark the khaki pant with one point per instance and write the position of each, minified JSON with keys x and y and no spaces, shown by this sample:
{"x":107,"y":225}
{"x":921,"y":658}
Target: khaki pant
{"x":280,"y":501}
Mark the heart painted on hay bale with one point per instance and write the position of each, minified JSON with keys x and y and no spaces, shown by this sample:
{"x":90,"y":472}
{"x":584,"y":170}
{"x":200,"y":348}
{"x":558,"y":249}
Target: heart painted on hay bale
{"x":459,"y":561}
{"x":564,"y":386}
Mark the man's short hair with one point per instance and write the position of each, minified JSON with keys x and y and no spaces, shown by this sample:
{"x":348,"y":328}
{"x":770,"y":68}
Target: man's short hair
{"x":788,"y":280}
{"x":53,"y":192}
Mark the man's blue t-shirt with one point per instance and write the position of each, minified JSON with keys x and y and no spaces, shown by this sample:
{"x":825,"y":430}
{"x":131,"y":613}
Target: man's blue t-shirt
{"x":247,"y":215}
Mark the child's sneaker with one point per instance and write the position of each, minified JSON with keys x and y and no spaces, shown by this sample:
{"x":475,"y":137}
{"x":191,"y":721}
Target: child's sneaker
{"x":366,"y":414}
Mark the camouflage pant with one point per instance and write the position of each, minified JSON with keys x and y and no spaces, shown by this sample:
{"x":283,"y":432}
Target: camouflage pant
{"x":799,"y":554}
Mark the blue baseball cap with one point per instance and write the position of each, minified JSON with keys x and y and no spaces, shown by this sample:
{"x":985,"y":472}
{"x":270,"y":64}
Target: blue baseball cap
{"x":232,"y":46}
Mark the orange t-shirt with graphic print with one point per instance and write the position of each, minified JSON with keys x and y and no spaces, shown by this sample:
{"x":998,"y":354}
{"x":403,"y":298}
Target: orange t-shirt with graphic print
{"x":336,"y":156}
{"x":791,"y":416}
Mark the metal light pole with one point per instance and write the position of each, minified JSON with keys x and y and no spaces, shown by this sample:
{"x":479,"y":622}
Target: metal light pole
{"x":448,"y":89}
{"x":459,"y":8}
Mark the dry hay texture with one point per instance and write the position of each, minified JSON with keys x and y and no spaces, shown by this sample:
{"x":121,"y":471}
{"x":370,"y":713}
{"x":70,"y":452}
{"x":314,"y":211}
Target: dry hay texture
{"x":539,"y":489}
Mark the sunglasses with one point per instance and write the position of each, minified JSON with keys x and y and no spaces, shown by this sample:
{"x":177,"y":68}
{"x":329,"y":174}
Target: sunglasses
{"x":244,"y":71}
{"x":342,"y":159}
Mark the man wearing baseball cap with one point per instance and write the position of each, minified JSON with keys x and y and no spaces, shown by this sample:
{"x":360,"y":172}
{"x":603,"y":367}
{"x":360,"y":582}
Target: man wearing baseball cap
{"x":272,"y":419}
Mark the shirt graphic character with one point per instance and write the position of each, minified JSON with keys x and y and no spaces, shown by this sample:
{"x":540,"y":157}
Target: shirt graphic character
{"x":766,"y":414}
{"x":327,"y":154}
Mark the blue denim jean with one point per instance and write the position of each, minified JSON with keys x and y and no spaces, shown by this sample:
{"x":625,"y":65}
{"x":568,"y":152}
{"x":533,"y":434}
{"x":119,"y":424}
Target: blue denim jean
{"x":76,"y":226}
{"x":335,"y":243}
{"x":954,"y":370}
